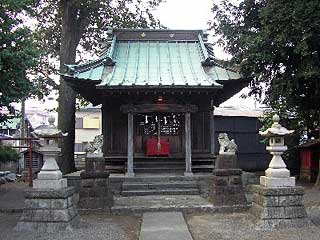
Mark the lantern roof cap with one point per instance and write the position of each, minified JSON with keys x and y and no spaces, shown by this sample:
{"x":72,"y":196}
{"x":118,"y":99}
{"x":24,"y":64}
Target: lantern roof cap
{"x":50,"y":130}
{"x":276,"y":129}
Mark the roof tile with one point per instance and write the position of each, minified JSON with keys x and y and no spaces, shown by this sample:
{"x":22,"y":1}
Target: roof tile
{"x":148,"y":61}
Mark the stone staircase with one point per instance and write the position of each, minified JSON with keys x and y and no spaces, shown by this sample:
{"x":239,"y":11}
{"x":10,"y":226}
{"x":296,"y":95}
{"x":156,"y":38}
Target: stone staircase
{"x":159,"y":185}
{"x":159,"y":165}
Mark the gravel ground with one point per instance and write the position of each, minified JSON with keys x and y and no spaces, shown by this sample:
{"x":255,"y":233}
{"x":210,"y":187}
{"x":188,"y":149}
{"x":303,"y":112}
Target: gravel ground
{"x":239,"y":226}
{"x":97,"y":227}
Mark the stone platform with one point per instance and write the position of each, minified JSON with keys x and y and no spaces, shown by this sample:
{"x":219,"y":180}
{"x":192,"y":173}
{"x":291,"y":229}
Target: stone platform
{"x":227,"y":189}
{"x":278,"y":207}
{"x":169,"y":203}
{"x":48,"y":210}
{"x":95,"y":192}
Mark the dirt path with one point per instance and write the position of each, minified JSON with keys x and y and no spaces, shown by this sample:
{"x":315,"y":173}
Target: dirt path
{"x":92,"y":227}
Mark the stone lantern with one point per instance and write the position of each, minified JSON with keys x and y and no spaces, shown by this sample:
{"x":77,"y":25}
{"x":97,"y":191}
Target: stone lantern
{"x":277,"y":202}
{"x":50,"y":176}
{"x":50,"y":206}
{"x":277,"y":175}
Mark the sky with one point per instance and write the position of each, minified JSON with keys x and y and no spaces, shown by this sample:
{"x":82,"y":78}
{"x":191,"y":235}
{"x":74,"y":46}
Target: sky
{"x":179,"y":14}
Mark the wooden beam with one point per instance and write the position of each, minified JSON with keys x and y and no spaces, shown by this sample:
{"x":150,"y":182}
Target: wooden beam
{"x":188,"y":171}
{"x":147,"y":108}
{"x":130,"y":172}
{"x":212,"y":130}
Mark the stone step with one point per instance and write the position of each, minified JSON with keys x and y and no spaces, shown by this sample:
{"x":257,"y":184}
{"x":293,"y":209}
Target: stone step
{"x":191,"y":191}
{"x":158,"y":164}
{"x":203,"y":166}
{"x":159,"y":169}
{"x":144,"y":178}
{"x":159,"y":185}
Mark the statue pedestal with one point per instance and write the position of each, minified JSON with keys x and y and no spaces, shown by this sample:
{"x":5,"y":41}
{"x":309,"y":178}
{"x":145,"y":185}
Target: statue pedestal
{"x":226,"y":161}
{"x":278,"y":207}
{"x":95,"y":162}
{"x":95,"y":193}
{"x":227,"y":184}
{"x":227,"y":188}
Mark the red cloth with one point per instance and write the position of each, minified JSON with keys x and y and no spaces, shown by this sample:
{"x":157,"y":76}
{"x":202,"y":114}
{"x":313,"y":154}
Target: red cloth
{"x":152,"y":147}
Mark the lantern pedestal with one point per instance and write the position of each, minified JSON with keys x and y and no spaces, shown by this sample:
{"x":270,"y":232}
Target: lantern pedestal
{"x":277,"y":182}
{"x":280,"y":207}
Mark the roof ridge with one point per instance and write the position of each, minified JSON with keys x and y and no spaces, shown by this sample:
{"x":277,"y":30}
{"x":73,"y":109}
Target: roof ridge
{"x":103,"y":58}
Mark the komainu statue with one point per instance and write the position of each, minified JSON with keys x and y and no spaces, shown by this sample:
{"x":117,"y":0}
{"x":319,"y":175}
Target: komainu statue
{"x":227,"y":146}
{"x":96,"y":145}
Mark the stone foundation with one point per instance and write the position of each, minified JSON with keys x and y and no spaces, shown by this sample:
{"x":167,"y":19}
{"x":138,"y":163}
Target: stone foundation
{"x":278,"y":207}
{"x":226,"y":161}
{"x":95,"y":192}
{"x":227,"y":188}
{"x":48,"y":210}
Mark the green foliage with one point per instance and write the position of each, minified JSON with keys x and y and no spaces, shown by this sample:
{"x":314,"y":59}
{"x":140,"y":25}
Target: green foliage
{"x":277,"y":44}
{"x":93,"y":18}
{"x":67,"y":28}
{"x":8,"y":154}
{"x":18,"y":54}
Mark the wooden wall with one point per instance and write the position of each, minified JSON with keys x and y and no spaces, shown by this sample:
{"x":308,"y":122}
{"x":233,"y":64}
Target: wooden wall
{"x":115,"y":126}
{"x":252,"y":155}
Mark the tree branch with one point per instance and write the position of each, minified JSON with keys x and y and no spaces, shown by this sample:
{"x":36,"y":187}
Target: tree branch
{"x":82,"y":23}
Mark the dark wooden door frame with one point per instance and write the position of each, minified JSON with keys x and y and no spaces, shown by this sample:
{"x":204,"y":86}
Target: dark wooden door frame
{"x":161,"y":107}
{"x":148,"y":108}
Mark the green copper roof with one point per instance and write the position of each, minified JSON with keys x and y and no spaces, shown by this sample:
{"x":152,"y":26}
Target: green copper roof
{"x":10,"y":123}
{"x":154,"y":58}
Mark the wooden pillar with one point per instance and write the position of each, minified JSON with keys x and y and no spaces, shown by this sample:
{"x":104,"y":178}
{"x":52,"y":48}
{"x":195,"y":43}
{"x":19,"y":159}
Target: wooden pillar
{"x":188,"y":171}
{"x":130,"y":172}
{"x":103,"y":128}
{"x":212,"y":130}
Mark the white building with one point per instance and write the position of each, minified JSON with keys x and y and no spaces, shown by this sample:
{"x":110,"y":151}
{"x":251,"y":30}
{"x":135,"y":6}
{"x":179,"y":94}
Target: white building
{"x":88,"y":125}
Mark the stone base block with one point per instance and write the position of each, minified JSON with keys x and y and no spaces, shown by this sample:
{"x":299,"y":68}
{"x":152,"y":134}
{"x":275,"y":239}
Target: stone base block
{"x":278,"y":207}
{"x":50,"y":175}
{"x":226,"y":161}
{"x":227,"y":188}
{"x":95,"y":162}
{"x":188,"y":174}
{"x":48,"y":210}
{"x":277,"y":173}
{"x":273,"y":182}
{"x":95,"y":192}
{"x":50,"y":184}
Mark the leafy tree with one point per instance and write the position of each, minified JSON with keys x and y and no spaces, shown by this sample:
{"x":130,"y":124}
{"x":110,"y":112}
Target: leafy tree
{"x":68,"y":27}
{"x":18,"y":54}
{"x":277,"y":44}
{"x":8,"y":154}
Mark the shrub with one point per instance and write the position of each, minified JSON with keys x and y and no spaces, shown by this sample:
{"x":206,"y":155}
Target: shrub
{"x":8,"y":154}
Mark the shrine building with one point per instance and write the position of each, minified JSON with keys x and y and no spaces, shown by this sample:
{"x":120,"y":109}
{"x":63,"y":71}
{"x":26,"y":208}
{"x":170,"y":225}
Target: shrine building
{"x":158,"y":89}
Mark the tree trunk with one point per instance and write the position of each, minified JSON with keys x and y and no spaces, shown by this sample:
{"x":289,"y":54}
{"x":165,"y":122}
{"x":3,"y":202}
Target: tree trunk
{"x":67,"y":97}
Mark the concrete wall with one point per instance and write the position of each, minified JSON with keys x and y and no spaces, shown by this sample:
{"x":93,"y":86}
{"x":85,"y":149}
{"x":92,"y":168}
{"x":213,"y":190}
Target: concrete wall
{"x":87,"y":134}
